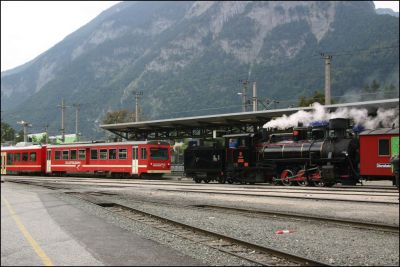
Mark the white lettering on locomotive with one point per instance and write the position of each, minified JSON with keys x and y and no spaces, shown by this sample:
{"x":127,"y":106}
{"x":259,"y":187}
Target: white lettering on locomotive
{"x":383,"y":165}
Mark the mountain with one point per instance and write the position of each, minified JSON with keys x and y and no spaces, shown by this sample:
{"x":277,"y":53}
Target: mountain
{"x":386,"y":11}
{"x":188,"y":57}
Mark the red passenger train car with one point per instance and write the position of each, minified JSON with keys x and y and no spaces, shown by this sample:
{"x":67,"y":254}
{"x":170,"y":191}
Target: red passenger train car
{"x":124,"y":159}
{"x":23,"y":158}
{"x":377,"y":147}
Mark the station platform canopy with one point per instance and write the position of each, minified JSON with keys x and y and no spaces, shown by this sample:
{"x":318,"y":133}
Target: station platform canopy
{"x":216,"y":125}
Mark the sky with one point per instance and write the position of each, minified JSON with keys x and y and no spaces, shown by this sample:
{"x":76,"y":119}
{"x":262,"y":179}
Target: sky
{"x":29,"y":28}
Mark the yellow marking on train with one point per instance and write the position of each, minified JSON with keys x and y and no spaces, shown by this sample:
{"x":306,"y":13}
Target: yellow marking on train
{"x":46,"y":261}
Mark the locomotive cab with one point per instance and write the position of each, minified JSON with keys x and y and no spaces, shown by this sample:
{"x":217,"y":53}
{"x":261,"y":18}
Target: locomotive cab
{"x":241,"y":158}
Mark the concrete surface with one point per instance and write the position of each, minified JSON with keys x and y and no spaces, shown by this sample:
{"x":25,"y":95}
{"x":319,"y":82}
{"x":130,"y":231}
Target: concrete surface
{"x":68,"y":236}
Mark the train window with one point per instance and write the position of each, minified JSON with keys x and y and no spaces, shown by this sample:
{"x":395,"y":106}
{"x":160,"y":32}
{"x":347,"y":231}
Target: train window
{"x":48,"y":154}
{"x":57,"y":155}
{"x":384,"y":149}
{"x":82,"y":154}
{"x":112,"y":154}
{"x":17,"y":157}
{"x":93,"y":154}
{"x":25,"y":156}
{"x":10,"y":158}
{"x":135,"y":153}
{"x":233,"y":143}
{"x":159,"y":153}
{"x":143,"y":153}
{"x":65,"y":154}
{"x":122,"y":153}
{"x":73,"y":154}
{"x":103,"y":153}
{"x":32,"y":156}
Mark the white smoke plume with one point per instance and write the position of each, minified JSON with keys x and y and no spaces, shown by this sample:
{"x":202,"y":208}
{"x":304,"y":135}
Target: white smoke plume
{"x":384,"y":118}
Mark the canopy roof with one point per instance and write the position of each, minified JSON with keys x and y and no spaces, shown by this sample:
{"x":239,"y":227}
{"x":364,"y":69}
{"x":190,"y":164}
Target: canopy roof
{"x":206,"y":126}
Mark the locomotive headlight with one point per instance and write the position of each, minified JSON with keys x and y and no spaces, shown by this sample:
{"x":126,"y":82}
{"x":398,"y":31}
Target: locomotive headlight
{"x":345,"y":153}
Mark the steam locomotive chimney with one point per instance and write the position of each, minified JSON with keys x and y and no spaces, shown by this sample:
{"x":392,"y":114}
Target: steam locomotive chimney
{"x":339,"y":126}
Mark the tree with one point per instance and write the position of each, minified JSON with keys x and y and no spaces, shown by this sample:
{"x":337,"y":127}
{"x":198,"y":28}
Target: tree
{"x":7,"y":132}
{"x":118,"y":116}
{"x":375,"y":86}
{"x":390,"y":91}
{"x":317,"y":97}
{"x":43,"y":139}
{"x":19,"y":137}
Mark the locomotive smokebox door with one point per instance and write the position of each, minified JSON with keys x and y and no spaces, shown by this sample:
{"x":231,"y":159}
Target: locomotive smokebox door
{"x":328,"y":174}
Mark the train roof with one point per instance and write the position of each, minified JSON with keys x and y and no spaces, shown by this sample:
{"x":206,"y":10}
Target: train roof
{"x":5,"y":148}
{"x":109,"y":144}
{"x":20,"y":146}
{"x":381,"y":131}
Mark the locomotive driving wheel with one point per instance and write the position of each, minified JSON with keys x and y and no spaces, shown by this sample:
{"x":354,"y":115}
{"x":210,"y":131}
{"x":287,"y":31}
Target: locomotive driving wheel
{"x":285,"y":174}
{"x":315,"y":179}
{"x":302,"y":179}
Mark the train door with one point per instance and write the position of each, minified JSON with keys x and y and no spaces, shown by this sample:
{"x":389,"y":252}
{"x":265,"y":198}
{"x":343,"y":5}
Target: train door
{"x":48,"y":161}
{"x":3,"y":162}
{"x":134,"y":159}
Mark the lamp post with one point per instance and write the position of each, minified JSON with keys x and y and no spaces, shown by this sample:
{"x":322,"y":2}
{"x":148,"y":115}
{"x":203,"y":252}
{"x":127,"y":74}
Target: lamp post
{"x":25,"y":125}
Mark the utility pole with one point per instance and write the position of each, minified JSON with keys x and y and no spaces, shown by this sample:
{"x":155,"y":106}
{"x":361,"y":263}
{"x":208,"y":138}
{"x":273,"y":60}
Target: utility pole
{"x":63,"y":107}
{"x":25,"y":125}
{"x":77,"y":106}
{"x":244,"y":94}
{"x":46,"y":129}
{"x":328,"y":59}
{"x":137,"y":108}
{"x":255,"y":101}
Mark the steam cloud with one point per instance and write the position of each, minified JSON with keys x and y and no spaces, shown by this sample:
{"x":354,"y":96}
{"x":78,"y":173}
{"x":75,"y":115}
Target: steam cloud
{"x":384,"y":118}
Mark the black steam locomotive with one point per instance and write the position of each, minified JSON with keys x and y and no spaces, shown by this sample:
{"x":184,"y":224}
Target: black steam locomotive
{"x":321,"y":154}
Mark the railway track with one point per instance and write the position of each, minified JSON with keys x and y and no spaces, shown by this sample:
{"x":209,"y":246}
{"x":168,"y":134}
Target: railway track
{"x":259,"y":213}
{"x":279,"y":196}
{"x":295,"y":191}
{"x":276,"y":214}
{"x":264,"y":187}
{"x":254,"y":253}
{"x":309,"y":195}
{"x":352,"y":223}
